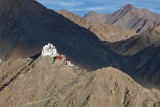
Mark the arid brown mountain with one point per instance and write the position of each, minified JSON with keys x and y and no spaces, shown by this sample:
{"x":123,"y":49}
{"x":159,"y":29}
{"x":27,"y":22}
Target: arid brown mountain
{"x":97,"y":18}
{"x":111,"y":33}
{"x":105,"y":32}
{"x":132,"y":18}
{"x":26,"y":26}
{"x":39,"y":83}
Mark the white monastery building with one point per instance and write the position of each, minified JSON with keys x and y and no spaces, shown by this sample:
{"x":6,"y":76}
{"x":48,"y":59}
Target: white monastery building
{"x":49,"y":50}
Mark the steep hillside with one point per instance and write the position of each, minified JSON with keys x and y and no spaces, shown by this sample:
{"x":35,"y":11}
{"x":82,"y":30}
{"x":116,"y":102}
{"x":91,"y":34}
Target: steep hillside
{"x":39,"y":83}
{"x":130,"y":17}
{"x":105,"y":32}
{"x":131,"y":46}
{"x":26,"y":26}
{"x":75,"y":18}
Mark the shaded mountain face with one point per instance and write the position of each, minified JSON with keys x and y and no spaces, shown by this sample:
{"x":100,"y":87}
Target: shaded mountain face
{"x":147,"y":64}
{"x":105,"y":32}
{"x":143,"y":53}
{"x":39,"y":83}
{"x":26,"y":26}
{"x":148,"y":59}
{"x":133,"y":18}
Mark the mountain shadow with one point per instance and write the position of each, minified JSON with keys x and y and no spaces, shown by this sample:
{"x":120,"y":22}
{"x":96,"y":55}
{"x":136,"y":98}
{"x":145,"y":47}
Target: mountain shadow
{"x":142,"y":52}
{"x":27,"y":25}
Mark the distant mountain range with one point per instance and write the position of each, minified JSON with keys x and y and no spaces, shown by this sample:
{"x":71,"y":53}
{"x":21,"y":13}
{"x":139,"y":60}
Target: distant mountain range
{"x":128,"y":17}
{"x":133,"y":48}
{"x":105,"y":32}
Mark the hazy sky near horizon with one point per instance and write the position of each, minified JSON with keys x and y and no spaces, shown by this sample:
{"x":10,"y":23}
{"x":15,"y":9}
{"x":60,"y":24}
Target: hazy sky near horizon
{"x":81,"y":7}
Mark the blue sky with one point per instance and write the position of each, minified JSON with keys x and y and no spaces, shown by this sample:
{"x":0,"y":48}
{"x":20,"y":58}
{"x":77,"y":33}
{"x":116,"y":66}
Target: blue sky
{"x":81,"y":7}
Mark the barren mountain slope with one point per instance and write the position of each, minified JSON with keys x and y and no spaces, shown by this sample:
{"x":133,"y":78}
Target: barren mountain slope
{"x":129,"y":17}
{"x":40,"y":84}
{"x":111,"y":33}
{"x":134,"y":18}
{"x":105,"y":32}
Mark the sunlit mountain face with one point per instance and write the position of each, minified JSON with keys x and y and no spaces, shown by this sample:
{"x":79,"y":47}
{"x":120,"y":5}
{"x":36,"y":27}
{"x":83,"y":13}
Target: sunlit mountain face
{"x":82,"y":7}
